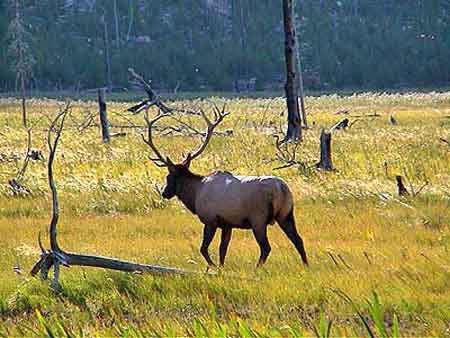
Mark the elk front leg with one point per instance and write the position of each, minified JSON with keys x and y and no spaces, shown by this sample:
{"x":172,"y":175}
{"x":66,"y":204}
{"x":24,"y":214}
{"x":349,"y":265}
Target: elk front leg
{"x":208,"y":234}
{"x":224,"y":241}
{"x":260,"y":233}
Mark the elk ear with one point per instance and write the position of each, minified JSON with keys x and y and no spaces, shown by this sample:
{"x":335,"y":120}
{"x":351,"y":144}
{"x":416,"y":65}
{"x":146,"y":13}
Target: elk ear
{"x":170,"y":165}
{"x":187,"y":160}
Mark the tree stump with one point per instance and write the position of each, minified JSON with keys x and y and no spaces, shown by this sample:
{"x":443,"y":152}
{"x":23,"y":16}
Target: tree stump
{"x":325,"y":152}
{"x":402,"y":191}
{"x":103,"y":116}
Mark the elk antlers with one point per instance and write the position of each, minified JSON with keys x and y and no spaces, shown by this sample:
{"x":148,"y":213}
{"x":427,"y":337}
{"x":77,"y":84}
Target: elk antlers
{"x":219,"y":115}
{"x":159,"y":160}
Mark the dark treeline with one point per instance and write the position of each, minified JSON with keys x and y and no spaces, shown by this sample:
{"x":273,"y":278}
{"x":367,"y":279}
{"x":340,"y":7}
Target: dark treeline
{"x":229,"y":44}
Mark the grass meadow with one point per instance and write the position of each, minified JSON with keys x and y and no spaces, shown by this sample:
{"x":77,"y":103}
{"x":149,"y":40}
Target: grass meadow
{"x":379,"y":263}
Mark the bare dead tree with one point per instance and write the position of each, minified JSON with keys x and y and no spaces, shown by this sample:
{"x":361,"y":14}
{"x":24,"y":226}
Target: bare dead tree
{"x":153,"y":98}
{"x":301,"y":91}
{"x":87,"y":122}
{"x":106,"y":51}
{"x":294,"y":131}
{"x":55,"y":257}
{"x":21,"y":55}
{"x":103,"y":116}
{"x":16,"y":183}
{"x":285,"y":155}
{"x":26,"y":159}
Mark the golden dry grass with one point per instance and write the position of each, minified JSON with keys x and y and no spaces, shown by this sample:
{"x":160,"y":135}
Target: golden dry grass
{"x":397,"y":247}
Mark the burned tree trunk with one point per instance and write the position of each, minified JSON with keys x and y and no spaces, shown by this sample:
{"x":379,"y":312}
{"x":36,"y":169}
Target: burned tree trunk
{"x":301,"y":91}
{"x":103,"y":116}
{"x":23,"y":94}
{"x":294,"y":132}
{"x":106,"y":50}
{"x":55,"y":257}
{"x":325,"y":151}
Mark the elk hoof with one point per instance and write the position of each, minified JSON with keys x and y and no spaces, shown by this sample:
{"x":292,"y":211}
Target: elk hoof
{"x":210,"y":267}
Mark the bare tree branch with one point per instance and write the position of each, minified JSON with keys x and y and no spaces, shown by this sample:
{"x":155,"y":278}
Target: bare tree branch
{"x":56,"y":256}
{"x":154,"y":99}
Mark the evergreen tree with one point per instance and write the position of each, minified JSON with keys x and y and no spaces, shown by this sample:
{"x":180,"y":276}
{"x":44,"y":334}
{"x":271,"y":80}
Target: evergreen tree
{"x":210,"y":44}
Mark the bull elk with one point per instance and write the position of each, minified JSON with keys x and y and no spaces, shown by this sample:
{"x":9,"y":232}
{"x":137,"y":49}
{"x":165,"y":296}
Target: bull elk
{"x":223,"y":200}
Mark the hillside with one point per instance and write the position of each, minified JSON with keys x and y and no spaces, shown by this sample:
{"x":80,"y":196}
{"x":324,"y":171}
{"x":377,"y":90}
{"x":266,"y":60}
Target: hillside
{"x":212,"y":44}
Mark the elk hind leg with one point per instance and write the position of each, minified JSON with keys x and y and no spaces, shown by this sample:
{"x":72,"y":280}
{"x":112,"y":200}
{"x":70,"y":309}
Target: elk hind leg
{"x":224,"y":241}
{"x":288,"y":226}
{"x":208,"y":234}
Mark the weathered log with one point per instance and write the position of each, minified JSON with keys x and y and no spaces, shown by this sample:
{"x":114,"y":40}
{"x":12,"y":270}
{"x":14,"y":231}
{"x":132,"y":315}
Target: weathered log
{"x":103,"y":116}
{"x":368,"y":115}
{"x":325,"y":151}
{"x":55,"y":257}
{"x":121,"y":134}
{"x":73,"y":259}
{"x":402,"y":191}
{"x":342,"y":112}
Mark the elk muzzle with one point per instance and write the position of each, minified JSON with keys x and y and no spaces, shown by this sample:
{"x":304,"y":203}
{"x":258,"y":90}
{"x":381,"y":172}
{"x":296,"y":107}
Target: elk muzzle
{"x":168,"y":193}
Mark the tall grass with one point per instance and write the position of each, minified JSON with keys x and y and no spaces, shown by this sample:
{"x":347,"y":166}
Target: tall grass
{"x":387,"y":256}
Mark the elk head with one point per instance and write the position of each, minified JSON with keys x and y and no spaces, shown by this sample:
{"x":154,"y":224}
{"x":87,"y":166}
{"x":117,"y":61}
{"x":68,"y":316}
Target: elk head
{"x":178,"y":172}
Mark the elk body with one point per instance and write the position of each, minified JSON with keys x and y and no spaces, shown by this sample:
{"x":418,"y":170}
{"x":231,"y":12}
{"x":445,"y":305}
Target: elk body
{"x":224,"y":201}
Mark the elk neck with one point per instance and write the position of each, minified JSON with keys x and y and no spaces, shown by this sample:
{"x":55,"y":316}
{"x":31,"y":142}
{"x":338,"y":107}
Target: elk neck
{"x":187,"y":189}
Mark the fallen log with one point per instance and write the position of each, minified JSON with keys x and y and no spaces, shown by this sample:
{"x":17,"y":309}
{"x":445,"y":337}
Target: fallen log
{"x":121,"y":134}
{"x":341,"y":125}
{"x":55,"y":257}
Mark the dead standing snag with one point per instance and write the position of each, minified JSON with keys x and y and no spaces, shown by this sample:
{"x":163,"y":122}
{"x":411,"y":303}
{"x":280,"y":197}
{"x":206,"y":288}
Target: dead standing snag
{"x":55,"y":257}
{"x":325,"y":151}
{"x":223,"y":200}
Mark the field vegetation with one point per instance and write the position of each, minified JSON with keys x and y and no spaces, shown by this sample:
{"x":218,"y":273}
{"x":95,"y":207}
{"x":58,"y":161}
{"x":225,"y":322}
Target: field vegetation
{"x":378,"y":262}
